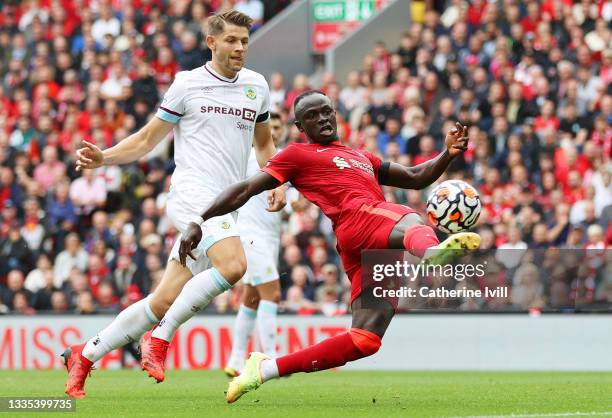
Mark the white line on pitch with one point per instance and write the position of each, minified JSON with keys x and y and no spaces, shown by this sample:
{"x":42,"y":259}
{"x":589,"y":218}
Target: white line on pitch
{"x":559,"y":414}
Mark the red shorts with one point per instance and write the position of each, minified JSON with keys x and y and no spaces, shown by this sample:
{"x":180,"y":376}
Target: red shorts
{"x":366,"y":228}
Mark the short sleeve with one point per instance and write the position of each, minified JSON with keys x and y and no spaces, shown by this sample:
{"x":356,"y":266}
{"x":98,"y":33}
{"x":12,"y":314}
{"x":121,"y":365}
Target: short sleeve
{"x":264,"y":112}
{"x":172,"y":107}
{"x":283,"y":165}
{"x":376,"y":162}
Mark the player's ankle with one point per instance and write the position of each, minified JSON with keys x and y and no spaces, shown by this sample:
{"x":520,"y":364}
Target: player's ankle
{"x":268,"y":370}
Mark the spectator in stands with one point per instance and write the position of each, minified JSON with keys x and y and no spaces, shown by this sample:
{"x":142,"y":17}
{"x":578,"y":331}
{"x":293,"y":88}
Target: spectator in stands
{"x":190,"y":56}
{"x":14,"y":284}
{"x":106,"y":299}
{"x":277,"y":92}
{"x":41,"y":298}
{"x":85,"y":304}
{"x":252,"y":8}
{"x":74,"y":256}
{"x":14,"y":252}
{"x":531,"y":81}
{"x":511,"y":252}
{"x":353,"y":94}
{"x":391,"y":134}
{"x":50,"y":170}
{"x":32,"y":231}
{"x":36,"y":279}
{"x":300,"y":85}
{"x":329,"y":284}
{"x":87,"y":193}
{"x":106,"y":24}
{"x":528,"y":292}
{"x":10,"y":190}
{"x":302,"y":280}
{"x":59,"y":303}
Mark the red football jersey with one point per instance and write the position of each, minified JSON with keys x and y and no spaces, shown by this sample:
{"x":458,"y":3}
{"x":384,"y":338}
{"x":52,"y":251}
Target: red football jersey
{"x":333,"y":176}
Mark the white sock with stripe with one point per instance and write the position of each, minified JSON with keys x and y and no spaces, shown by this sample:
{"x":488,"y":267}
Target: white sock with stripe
{"x":266,"y":326}
{"x":128,"y":326}
{"x":243,"y":328}
{"x":196,"y":295}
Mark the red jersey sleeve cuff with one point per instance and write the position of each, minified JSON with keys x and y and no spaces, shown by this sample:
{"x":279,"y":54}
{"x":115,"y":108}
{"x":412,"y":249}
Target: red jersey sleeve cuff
{"x":274,"y":174}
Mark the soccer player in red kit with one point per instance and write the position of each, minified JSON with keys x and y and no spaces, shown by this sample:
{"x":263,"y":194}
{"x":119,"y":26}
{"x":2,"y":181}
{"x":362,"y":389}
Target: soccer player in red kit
{"x":346,"y":185}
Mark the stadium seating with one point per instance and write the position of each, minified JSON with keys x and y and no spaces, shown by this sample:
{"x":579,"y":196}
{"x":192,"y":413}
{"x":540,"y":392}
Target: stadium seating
{"x":532,"y":81}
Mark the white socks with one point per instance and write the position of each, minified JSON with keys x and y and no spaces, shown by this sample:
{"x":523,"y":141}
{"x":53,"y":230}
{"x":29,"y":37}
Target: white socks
{"x":266,"y":326}
{"x":196,"y":294}
{"x":128,"y":326}
{"x":243,"y":328}
{"x":268,"y":369}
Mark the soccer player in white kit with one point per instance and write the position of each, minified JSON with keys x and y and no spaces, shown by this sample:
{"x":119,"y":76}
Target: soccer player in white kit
{"x":260,"y":233}
{"x":218,"y":112}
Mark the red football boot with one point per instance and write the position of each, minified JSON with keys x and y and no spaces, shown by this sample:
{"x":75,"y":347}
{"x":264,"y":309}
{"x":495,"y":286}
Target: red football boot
{"x":78,"y":369}
{"x":153,"y":356}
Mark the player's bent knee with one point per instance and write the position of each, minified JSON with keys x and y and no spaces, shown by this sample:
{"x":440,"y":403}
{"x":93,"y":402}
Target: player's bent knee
{"x":233,"y":270}
{"x":366,"y":342}
{"x":274,"y":297}
{"x":159,"y":305}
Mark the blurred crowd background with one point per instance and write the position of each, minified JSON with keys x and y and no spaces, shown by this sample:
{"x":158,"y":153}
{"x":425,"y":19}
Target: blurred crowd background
{"x":530,"y":79}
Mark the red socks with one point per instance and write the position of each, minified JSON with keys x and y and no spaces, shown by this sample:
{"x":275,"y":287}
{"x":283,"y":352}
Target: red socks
{"x":419,"y":238}
{"x":332,"y":352}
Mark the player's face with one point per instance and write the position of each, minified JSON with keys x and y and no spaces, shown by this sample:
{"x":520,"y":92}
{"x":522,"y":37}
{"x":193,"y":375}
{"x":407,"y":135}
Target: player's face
{"x":277,"y":130}
{"x":229,"y":48}
{"x":316,"y":117}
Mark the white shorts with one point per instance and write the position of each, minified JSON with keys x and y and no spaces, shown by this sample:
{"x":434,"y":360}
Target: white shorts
{"x":262,"y":257}
{"x":181,"y":212}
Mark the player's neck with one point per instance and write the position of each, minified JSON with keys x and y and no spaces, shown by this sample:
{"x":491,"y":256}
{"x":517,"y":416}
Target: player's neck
{"x":334,"y":142}
{"x":220,"y":71}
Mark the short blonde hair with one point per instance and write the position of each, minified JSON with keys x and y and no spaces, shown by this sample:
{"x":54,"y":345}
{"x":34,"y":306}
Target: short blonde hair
{"x":216,"y":24}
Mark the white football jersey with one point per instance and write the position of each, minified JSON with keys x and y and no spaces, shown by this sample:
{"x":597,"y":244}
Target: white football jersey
{"x":215,"y":121}
{"x":253,"y":218}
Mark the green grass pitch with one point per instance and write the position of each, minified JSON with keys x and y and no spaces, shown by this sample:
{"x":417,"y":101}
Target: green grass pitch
{"x":329,"y":394}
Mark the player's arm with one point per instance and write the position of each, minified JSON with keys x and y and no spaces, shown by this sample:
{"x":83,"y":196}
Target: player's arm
{"x":130,"y":149}
{"x":422,"y":175}
{"x":228,"y":201}
{"x":263,"y":143}
{"x":264,"y":150}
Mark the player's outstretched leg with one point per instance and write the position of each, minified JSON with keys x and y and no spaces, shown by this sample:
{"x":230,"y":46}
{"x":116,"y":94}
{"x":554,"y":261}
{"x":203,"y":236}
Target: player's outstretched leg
{"x":420,"y":240}
{"x":452,"y":247}
{"x":227,"y":255}
{"x":370,"y":321}
{"x":332,"y":352}
{"x":196,"y":295}
{"x":128,"y":326}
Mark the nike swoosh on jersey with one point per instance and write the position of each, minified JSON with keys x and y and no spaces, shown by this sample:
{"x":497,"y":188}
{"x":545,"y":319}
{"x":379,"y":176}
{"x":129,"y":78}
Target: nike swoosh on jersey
{"x":322,"y":149}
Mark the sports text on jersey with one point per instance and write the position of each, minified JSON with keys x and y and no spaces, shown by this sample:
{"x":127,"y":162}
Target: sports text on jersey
{"x":341,"y":163}
{"x":245,"y":113}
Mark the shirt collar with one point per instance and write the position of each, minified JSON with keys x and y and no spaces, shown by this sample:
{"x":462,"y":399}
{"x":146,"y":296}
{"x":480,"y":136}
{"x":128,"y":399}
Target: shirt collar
{"x":218,"y":76}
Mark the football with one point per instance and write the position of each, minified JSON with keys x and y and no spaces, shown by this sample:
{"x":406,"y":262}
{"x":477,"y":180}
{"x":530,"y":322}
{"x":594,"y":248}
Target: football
{"x":453,"y":206}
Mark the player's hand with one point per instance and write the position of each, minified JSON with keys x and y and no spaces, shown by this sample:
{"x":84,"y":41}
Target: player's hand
{"x":457,"y":140}
{"x":89,"y":157}
{"x":189,"y":241}
{"x":276,"y":199}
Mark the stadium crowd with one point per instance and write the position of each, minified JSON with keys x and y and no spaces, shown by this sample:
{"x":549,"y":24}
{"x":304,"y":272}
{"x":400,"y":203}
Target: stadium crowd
{"x":531,"y":79}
